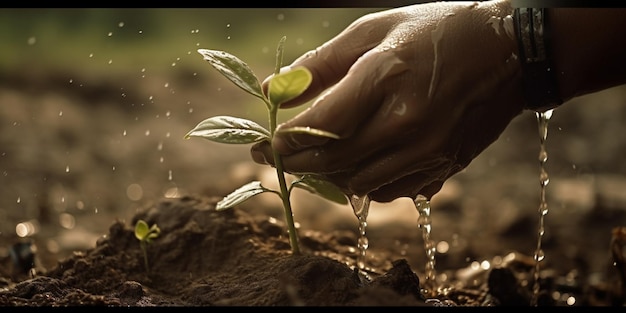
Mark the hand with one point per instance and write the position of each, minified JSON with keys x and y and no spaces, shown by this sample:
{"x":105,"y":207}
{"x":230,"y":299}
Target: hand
{"x":415,"y":93}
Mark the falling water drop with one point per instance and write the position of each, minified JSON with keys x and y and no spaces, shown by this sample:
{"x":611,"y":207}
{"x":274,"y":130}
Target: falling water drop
{"x":542,"y":120}
{"x":67,"y":168}
{"x":169,"y":175}
{"x":360,"y":206}
{"x":422,"y":204}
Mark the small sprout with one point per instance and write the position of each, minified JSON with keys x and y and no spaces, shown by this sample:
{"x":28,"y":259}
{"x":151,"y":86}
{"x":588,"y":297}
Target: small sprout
{"x":145,"y":234}
{"x":233,"y":130}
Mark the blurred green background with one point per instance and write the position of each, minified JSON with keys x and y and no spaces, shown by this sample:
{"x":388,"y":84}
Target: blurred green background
{"x":87,"y":39}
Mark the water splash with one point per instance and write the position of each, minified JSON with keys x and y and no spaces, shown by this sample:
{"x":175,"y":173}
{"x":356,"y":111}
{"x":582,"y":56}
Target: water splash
{"x":360,"y":206}
{"x":422,"y":204}
{"x":542,"y":119}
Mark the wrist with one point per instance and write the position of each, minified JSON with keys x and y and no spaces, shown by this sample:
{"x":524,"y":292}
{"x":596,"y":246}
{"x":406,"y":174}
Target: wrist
{"x":588,"y":51}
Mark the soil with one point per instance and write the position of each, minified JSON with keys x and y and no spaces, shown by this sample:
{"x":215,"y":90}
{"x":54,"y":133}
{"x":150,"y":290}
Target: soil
{"x":485,"y":219}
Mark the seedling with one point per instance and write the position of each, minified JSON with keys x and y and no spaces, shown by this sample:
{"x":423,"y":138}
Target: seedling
{"x":233,"y":130}
{"x":145,"y":235}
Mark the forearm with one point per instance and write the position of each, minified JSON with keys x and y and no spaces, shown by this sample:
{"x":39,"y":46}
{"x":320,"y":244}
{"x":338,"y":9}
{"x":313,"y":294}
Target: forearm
{"x":588,"y":49}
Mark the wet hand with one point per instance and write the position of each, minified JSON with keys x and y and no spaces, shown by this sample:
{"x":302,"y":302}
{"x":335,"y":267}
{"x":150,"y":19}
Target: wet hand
{"x":415,"y":93}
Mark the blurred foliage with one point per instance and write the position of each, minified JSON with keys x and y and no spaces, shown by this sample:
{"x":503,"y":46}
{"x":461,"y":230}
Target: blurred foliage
{"x":93,"y":39}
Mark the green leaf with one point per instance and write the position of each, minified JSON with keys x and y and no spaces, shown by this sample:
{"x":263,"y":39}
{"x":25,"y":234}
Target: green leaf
{"x":154,"y":232}
{"x":286,"y":86}
{"x":310,"y":131}
{"x":143,"y":233}
{"x":322,"y":187}
{"x":141,"y":229}
{"x":234,"y":69}
{"x":228,"y":129}
{"x":242,"y":194}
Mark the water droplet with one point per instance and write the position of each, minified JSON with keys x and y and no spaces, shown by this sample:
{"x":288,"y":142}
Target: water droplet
{"x":141,"y":31}
{"x":120,"y":24}
{"x":61,"y":113}
{"x":67,"y":169}
{"x":67,"y":220}
{"x":134,"y":192}
{"x":27,"y":228}
{"x":280,"y":17}
{"x":169,"y":175}
{"x":172,"y":193}
{"x":325,"y":24}
{"x":167,"y":84}
{"x":31,"y":41}
{"x":110,"y":61}
{"x":147,"y":132}
{"x":124,"y":133}
{"x":91,"y":55}
{"x":228,"y":25}
{"x":110,"y":34}
{"x":19,"y":199}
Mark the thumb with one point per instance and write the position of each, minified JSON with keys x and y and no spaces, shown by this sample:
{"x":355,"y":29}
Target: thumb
{"x":331,"y":61}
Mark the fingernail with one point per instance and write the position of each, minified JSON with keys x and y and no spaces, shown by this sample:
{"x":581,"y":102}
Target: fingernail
{"x":284,"y":69}
{"x":257,"y":155}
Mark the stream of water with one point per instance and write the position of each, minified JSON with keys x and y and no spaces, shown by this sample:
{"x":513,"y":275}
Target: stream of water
{"x":542,"y":119}
{"x":360,"y":206}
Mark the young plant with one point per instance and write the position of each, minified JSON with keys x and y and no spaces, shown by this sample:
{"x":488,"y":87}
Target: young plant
{"x":233,"y":130}
{"x":145,"y":235}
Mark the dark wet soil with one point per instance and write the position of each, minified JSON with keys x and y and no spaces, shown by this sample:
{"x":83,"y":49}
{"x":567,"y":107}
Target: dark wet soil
{"x":485,"y":219}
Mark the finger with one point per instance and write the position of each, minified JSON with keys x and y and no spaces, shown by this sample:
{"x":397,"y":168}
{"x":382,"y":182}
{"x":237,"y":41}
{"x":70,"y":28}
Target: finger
{"x":408,"y":178}
{"x":409,"y":186}
{"x":346,"y":106}
{"x":261,"y":153}
{"x":332,"y":60}
{"x":392,"y":125}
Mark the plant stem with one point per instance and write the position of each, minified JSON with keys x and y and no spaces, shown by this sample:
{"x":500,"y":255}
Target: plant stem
{"x":284,"y":193}
{"x":145,"y":255}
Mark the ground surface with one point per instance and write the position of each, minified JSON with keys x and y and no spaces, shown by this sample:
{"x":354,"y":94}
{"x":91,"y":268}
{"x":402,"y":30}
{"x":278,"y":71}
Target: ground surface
{"x":82,"y":159}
